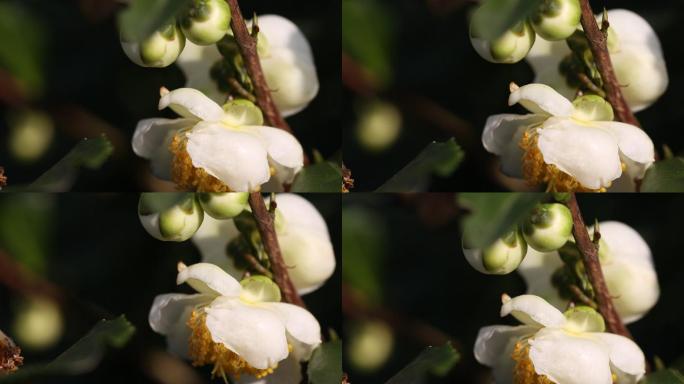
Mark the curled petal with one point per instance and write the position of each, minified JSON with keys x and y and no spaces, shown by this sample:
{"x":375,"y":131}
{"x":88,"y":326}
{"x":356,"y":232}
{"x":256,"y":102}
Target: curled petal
{"x":191,"y":103}
{"x":494,"y":347}
{"x":501,"y":136}
{"x":541,"y":99}
{"x":634,"y":144}
{"x":626,"y":358}
{"x":302,"y":327}
{"x":283,"y":149}
{"x":210,"y":279}
{"x":152,"y":138}
{"x":169,"y":315}
{"x":533,"y":311}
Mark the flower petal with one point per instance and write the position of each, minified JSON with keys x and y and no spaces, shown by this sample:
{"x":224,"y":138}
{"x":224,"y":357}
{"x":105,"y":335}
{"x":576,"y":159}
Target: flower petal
{"x":169,"y":315}
{"x":587,"y":153}
{"x":298,"y":212}
{"x":537,"y":269}
{"x":191,"y":103}
{"x":210,"y":279}
{"x":212,"y":238}
{"x":235,"y":157}
{"x":283,"y":149}
{"x":494,"y":346}
{"x":626,"y":358}
{"x":288,"y":371}
{"x":255,"y":333}
{"x":545,"y":58}
{"x":196,"y":61}
{"x":568,"y":359}
{"x":541,"y":99}
{"x":309,"y":257}
{"x":501,"y":136}
{"x":634,"y":144}
{"x":302,"y":328}
{"x":532,"y":310}
{"x":150,"y":134}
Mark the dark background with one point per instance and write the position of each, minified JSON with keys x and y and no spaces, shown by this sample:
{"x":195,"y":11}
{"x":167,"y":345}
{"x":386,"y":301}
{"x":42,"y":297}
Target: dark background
{"x":425,"y":279}
{"x":92,"y":87}
{"x":444,"y":89}
{"x":94,"y":249}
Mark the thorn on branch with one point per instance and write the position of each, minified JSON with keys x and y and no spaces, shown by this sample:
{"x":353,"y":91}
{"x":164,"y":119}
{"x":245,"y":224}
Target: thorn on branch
{"x":10,"y":355}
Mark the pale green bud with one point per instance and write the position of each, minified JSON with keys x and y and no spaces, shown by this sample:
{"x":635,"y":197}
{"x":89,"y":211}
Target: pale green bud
{"x":582,"y":319}
{"x":379,"y":125}
{"x":39,"y":324}
{"x":592,"y":108}
{"x":206,"y":21}
{"x":159,"y":50}
{"x":500,"y":258}
{"x":31,"y":134}
{"x":556,"y":19}
{"x":239,"y":112}
{"x":259,"y":289}
{"x":548,"y":227}
{"x":370,"y":345}
{"x":223,"y":206}
{"x":509,"y":48}
{"x":177,"y":221}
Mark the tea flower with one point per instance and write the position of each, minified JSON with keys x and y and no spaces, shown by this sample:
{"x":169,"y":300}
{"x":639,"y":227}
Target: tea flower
{"x":566,"y":145}
{"x":285,"y":56}
{"x":216,"y":149}
{"x":550,"y":346}
{"x":239,"y":328}
{"x":627,"y":266}
{"x":634,"y":51}
{"x":302,"y":234}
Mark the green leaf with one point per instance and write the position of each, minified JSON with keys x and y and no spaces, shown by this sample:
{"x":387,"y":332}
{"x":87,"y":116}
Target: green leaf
{"x":494,"y":17}
{"x":143,"y":17}
{"x":433,"y":360}
{"x":665,"y":376}
{"x":665,"y":176}
{"x":320,"y":177}
{"x":438,"y":158}
{"x":88,"y":153}
{"x":325,"y":366}
{"x":83,"y":356}
{"x":493,"y":214}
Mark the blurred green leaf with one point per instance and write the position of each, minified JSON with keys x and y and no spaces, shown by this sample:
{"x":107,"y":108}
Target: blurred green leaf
{"x":320,"y":177}
{"x":665,"y":376}
{"x":325,"y":366}
{"x":88,"y":153}
{"x":363,"y":249}
{"x":367,"y":36}
{"x":494,"y":17}
{"x":665,"y":176}
{"x":83,"y":356}
{"x":433,"y":360}
{"x":493,"y":214}
{"x":143,"y":17}
{"x":438,"y":158}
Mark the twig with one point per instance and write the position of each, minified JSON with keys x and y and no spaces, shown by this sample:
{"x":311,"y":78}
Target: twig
{"x":266,"y":228}
{"x":584,"y":299}
{"x":3,"y":178}
{"x":240,"y":90}
{"x":599,"y":49}
{"x":254,"y":263}
{"x":592,"y":267}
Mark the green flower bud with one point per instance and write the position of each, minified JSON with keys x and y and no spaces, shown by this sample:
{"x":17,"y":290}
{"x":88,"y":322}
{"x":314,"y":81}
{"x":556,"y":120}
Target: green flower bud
{"x":592,"y":108}
{"x":370,"y":345}
{"x":206,"y":21}
{"x":259,"y":289}
{"x":556,"y":19}
{"x":159,"y":50}
{"x":584,"y":319}
{"x":175,"y":221}
{"x":39,"y":324}
{"x":509,"y":48}
{"x":223,"y":206}
{"x":500,"y":258}
{"x":548,"y":227}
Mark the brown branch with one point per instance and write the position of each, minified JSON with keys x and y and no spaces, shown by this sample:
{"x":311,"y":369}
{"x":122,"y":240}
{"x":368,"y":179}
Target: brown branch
{"x":599,"y":49}
{"x":3,"y":178}
{"x":592,"y":267}
{"x":266,"y":227}
{"x":256,"y":265}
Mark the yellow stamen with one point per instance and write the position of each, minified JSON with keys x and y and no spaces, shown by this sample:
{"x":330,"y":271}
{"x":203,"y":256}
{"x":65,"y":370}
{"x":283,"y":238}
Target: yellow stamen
{"x":203,"y":350}
{"x":188,"y":177}
{"x":523,"y":371}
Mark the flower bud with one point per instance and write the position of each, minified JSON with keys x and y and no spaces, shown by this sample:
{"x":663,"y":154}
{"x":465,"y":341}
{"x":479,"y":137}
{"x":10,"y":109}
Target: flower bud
{"x":222,"y":206}
{"x":370,"y":345}
{"x":159,"y":50}
{"x":556,"y":19}
{"x":39,"y":323}
{"x":509,"y":48}
{"x":548,"y":227}
{"x":171,"y":217}
{"x":259,"y":289}
{"x":500,"y":258}
{"x":206,"y":21}
{"x":582,"y":318}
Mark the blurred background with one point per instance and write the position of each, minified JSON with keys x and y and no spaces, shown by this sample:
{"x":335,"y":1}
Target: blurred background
{"x":64,"y":76}
{"x":69,"y":260}
{"x":407,"y":285}
{"x":411,"y":76}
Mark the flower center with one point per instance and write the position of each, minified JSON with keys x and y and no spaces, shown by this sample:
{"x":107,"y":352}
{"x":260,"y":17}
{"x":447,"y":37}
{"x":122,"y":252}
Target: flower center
{"x":185,"y":175}
{"x":523,"y":371}
{"x":203,"y":350}
{"x":536,"y":171}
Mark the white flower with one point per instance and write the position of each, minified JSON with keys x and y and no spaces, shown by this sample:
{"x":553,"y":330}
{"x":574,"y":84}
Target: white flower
{"x":302,"y":235}
{"x":566,"y":145}
{"x":634,"y":51}
{"x":285,"y":57}
{"x":626,"y":263}
{"x":216,"y":149}
{"x":564,"y":349}
{"x":239,"y":328}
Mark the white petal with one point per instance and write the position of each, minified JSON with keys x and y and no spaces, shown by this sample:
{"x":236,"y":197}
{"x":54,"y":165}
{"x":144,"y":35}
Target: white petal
{"x":196,"y":61}
{"x":544,"y":58}
{"x":631,"y":28}
{"x":568,"y":359}
{"x":283,"y":33}
{"x":587,"y":153}
{"x":212,"y":238}
{"x":150,"y":134}
{"x":303,"y":329}
{"x":256,"y":334}
{"x":537,"y":269}
{"x":210,"y":279}
{"x":288,"y":371}
{"x":626,"y":358}
{"x":309,"y":257}
{"x":235,"y":157}
{"x":298,"y":212}
{"x":641,"y":74}
{"x":283,"y":149}
{"x":191,"y":103}
{"x":533,"y":310}
{"x":634,"y":144}
{"x":625,"y":243}
{"x":501,"y":136}
{"x":494,"y":346}
{"x":541,"y":99}
{"x":167,"y":309}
